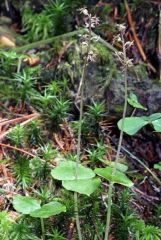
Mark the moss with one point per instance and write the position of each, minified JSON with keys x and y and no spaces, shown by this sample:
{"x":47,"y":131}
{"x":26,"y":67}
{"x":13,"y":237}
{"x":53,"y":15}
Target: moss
{"x":103,"y":53}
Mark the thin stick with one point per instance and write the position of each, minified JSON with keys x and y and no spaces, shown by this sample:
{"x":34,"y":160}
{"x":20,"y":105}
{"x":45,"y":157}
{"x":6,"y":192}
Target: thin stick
{"x":16,"y":120}
{"x":3,"y":134}
{"x":17,"y":149}
{"x":136,"y":39}
{"x":159,"y":42}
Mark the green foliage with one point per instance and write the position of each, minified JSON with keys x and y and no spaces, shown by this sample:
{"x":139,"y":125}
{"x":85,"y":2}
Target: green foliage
{"x":24,"y":83}
{"x":119,"y":166}
{"x":94,"y":114}
{"x":59,"y":110}
{"x":146,"y":232}
{"x":56,"y":10}
{"x":81,"y":186}
{"x":127,"y":221}
{"x":96,"y":153}
{"x":133,"y":101}
{"x":45,"y":100}
{"x":5,"y":225}
{"x":67,"y":171}
{"x":90,"y":122}
{"x":50,"y":21}
{"x":20,"y":231}
{"x":74,"y":177}
{"x":22,"y":171}
{"x":40,"y":165}
{"x":44,"y":194}
{"x":133,"y":124}
{"x":25,"y":205}
{"x":47,"y":152}
{"x":37,"y":166}
{"x":96,"y":111}
{"x":17,"y":135}
{"x":123,"y":215}
{"x":55,"y":88}
{"x":103,"y":53}
{"x":8,"y":61}
{"x":34,"y":132}
{"x":157,"y":166}
{"x":29,"y":205}
{"x":53,"y":108}
{"x":48,"y":210}
{"x":38,"y":26}
{"x":118,"y":177}
{"x":56,"y":235}
{"x":22,"y":92}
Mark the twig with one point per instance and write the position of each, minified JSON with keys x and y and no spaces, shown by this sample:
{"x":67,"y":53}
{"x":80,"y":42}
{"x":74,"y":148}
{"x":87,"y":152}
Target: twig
{"x":17,"y":149}
{"x":16,"y":120}
{"x":132,"y":27}
{"x":2,"y":135}
{"x":150,"y":198}
{"x":136,"y":39}
{"x":159,"y":42}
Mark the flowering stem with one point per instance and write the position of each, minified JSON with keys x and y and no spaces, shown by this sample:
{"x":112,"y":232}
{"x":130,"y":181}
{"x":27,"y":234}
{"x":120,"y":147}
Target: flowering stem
{"x":108,"y":219}
{"x":81,"y":93}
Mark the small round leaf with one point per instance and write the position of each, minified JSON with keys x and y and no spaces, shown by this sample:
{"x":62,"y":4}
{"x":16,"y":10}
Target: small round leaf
{"x":157,"y":125}
{"x":25,"y":205}
{"x":119,"y":177}
{"x":48,"y":210}
{"x":82,"y":186}
{"x":67,"y":171}
{"x":132,"y":124}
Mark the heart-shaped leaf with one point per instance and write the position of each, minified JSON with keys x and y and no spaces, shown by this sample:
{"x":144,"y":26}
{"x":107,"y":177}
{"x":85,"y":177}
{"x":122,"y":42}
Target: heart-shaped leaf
{"x":133,"y":101}
{"x":132,"y":124}
{"x":67,"y":171}
{"x":83,"y":186}
{"x":157,"y":125}
{"x":154,"y":117}
{"x":25,"y":205}
{"x":157,"y":166}
{"x":48,"y":210}
{"x":119,"y":177}
{"x":119,"y":166}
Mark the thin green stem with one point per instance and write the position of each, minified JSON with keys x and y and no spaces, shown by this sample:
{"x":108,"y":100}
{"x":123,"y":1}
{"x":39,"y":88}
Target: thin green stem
{"x":42,"y":228}
{"x":49,"y":40}
{"x":81,"y":94}
{"x":19,"y":65}
{"x":108,"y":219}
{"x":62,"y":36}
{"x":77,"y":215}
